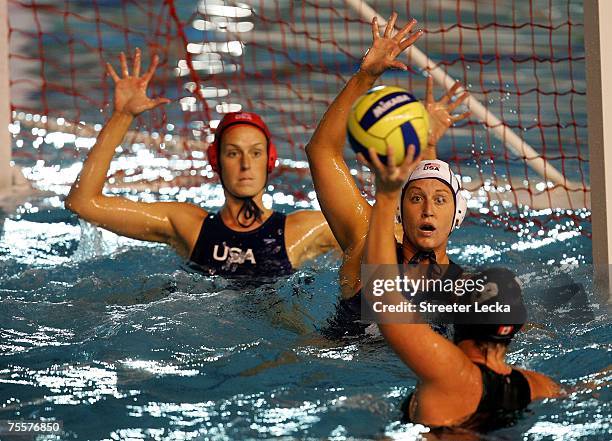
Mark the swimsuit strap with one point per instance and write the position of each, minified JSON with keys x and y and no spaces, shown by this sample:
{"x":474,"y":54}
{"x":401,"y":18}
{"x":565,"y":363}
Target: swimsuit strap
{"x":508,"y":392}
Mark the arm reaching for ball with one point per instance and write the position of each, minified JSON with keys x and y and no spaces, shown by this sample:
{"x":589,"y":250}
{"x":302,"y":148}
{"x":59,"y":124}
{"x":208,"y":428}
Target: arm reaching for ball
{"x":345,"y":209}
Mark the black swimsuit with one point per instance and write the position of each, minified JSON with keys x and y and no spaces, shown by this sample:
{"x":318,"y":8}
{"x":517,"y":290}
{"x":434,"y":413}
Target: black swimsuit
{"x":220,"y":250}
{"x":503,"y":398}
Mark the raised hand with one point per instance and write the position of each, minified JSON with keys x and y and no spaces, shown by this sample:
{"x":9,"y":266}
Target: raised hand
{"x":390,"y":178}
{"x":384,"y":51}
{"x":131,"y":90}
{"x":440,"y":112}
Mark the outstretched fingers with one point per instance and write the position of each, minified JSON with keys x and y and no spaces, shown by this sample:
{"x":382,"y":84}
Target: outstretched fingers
{"x":462,"y":116}
{"x":390,"y":25}
{"x":362,"y":159}
{"x":136,"y":66}
{"x":375,"y":30}
{"x":112,"y":73}
{"x":429,"y":99}
{"x":398,"y":65}
{"x":411,"y":40}
{"x":368,"y":163}
{"x":452,"y":106}
{"x":149,"y":74}
{"x":124,"y":68}
{"x":375,"y":161}
{"x":403,"y":32}
{"x":160,"y":101}
{"x":450,"y":93}
{"x":390,"y":159}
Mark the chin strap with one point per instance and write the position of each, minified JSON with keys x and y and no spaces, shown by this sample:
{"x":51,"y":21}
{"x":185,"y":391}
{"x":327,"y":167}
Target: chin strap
{"x":250,"y":211}
{"x":421,"y":256}
{"x":434,"y":271}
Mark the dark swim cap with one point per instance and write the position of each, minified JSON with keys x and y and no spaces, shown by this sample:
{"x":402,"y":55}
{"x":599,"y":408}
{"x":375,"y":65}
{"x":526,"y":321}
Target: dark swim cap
{"x":501,"y":286}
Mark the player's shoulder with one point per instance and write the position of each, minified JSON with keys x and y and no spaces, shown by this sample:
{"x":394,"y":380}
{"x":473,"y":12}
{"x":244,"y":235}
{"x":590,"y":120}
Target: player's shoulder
{"x":541,"y":385}
{"x":186,"y":213}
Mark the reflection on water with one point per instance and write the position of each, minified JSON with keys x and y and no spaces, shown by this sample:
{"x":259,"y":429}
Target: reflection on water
{"x":95,"y":324}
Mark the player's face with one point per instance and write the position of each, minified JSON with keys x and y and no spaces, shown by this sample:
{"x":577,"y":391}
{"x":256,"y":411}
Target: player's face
{"x":428,"y":208}
{"x":244,"y":160}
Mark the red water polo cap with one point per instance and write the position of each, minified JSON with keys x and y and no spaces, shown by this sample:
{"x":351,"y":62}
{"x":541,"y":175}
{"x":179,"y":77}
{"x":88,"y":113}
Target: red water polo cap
{"x":233,"y":119}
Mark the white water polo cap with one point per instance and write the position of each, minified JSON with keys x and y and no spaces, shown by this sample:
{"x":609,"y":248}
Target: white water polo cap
{"x":440,"y":170}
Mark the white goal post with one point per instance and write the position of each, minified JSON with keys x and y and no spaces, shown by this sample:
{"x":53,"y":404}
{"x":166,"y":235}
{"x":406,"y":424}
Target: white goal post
{"x":6,"y":178}
{"x":598,"y":43}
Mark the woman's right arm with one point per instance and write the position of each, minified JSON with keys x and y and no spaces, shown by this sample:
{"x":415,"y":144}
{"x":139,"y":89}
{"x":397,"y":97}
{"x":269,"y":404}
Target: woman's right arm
{"x":344,"y":207}
{"x":168,"y":222}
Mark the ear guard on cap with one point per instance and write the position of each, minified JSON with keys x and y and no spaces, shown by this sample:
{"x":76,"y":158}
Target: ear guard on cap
{"x":440,"y":170}
{"x":460,"y":209}
{"x":235,"y":118}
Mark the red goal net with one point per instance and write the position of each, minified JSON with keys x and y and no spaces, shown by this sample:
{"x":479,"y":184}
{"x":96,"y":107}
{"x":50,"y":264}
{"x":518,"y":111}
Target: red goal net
{"x":523,"y":60}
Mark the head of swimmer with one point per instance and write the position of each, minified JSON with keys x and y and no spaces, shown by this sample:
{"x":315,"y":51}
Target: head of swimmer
{"x":476,"y":342}
{"x":428,"y":210}
{"x":243,"y":160}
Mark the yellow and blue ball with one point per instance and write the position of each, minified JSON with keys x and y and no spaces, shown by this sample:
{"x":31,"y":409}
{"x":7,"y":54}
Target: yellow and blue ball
{"x":388,"y":116}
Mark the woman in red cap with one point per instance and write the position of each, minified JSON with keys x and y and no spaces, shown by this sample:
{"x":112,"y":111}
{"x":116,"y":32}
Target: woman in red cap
{"x":244,"y":237}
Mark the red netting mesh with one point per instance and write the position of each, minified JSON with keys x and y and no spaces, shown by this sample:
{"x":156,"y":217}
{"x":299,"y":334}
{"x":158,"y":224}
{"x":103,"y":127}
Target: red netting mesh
{"x":522,"y":59}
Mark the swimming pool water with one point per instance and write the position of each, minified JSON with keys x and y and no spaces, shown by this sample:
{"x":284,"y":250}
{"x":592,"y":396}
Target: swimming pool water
{"x":115,"y":339}
{"x":112,"y":337}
